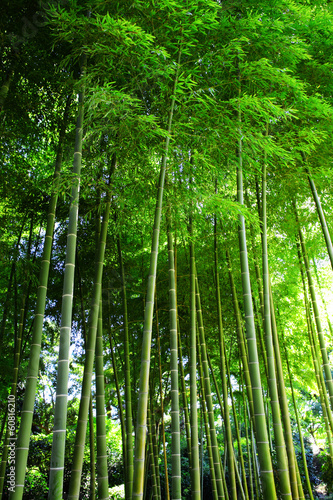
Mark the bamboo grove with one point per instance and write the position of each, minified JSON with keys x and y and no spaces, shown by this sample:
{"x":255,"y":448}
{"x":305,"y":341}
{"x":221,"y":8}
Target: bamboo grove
{"x":165,"y":287}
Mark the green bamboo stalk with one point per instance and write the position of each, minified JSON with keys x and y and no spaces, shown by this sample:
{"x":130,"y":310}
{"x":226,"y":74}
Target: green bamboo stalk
{"x":239,"y":480}
{"x":284,"y":403}
{"x":183,"y":388}
{"x":268,"y":420}
{"x":322,"y":296}
{"x":102,"y":461}
{"x":209,"y":401}
{"x":175,"y":428}
{"x":223,"y":419}
{"x":238,"y":437}
{"x":128,"y":390}
{"x":140,"y":436}
{"x":147,"y":464}
{"x":247,"y":438}
{"x":195,"y":468}
{"x":81,"y":429}
{"x":233,"y":489}
{"x":204,"y":412}
{"x":240,"y":336}
{"x":167,"y":493}
{"x":22,"y":444}
{"x":60,"y":416}
{"x":320,"y":212}
{"x":299,"y":482}
{"x":17,"y":356}
{"x":256,"y":476}
{"x":12,"y":274}
{"x":119,"y":396}
{"x":327,"y":414}
{"x":266,"y":469}
{"x":280,"y":447}
{"x":307,"y":478}
{"x":259,"y":319}
{"x":182,"y":376}
{"x":154,"y":424}
{"x":151,"y":455}
{"x":91,"y":415}
{"x":327,"y":370}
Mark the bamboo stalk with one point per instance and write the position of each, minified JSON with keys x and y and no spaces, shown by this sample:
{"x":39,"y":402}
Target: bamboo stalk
{"x":266,"y":469}
{"x":327,"y":370}
{"x":207,"y":431}
{"x":140,"y":436}
{"x":102,"y":459}
{"x":232,"y":478}
{"x":208,"y":395}
{"x":175,"y":444}
{"x":128,"y":390}
{"x":80,"y":436}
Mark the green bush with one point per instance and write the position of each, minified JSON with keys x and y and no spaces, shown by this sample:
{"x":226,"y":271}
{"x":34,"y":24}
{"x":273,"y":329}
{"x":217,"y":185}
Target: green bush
{"x":36,"y":487}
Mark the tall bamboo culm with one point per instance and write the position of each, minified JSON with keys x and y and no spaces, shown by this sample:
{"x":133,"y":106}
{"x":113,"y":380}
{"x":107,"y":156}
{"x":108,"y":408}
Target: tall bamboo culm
{"x":140,"y":435}
{"x":204,"y":416}
{"x":22,"y":444}
{"x":60,"y":413}
{"x":281,"y":453}
{"x":320,"y":212}
{"x":195,"y":468}
{"x":266,"y":469}
{"x":208,"y":395}
{"x":283,"y":402}
{"x":232,"y":478}
{"x":128,"y":388}
{"x":102,"y":462}
{"x":327,"y":370}
{"x":81,"y":428}
{"x":175,"y":429}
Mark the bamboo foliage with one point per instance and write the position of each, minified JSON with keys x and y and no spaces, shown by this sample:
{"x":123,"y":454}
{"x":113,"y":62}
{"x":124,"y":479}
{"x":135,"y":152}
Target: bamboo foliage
{"x":167,"y":84}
